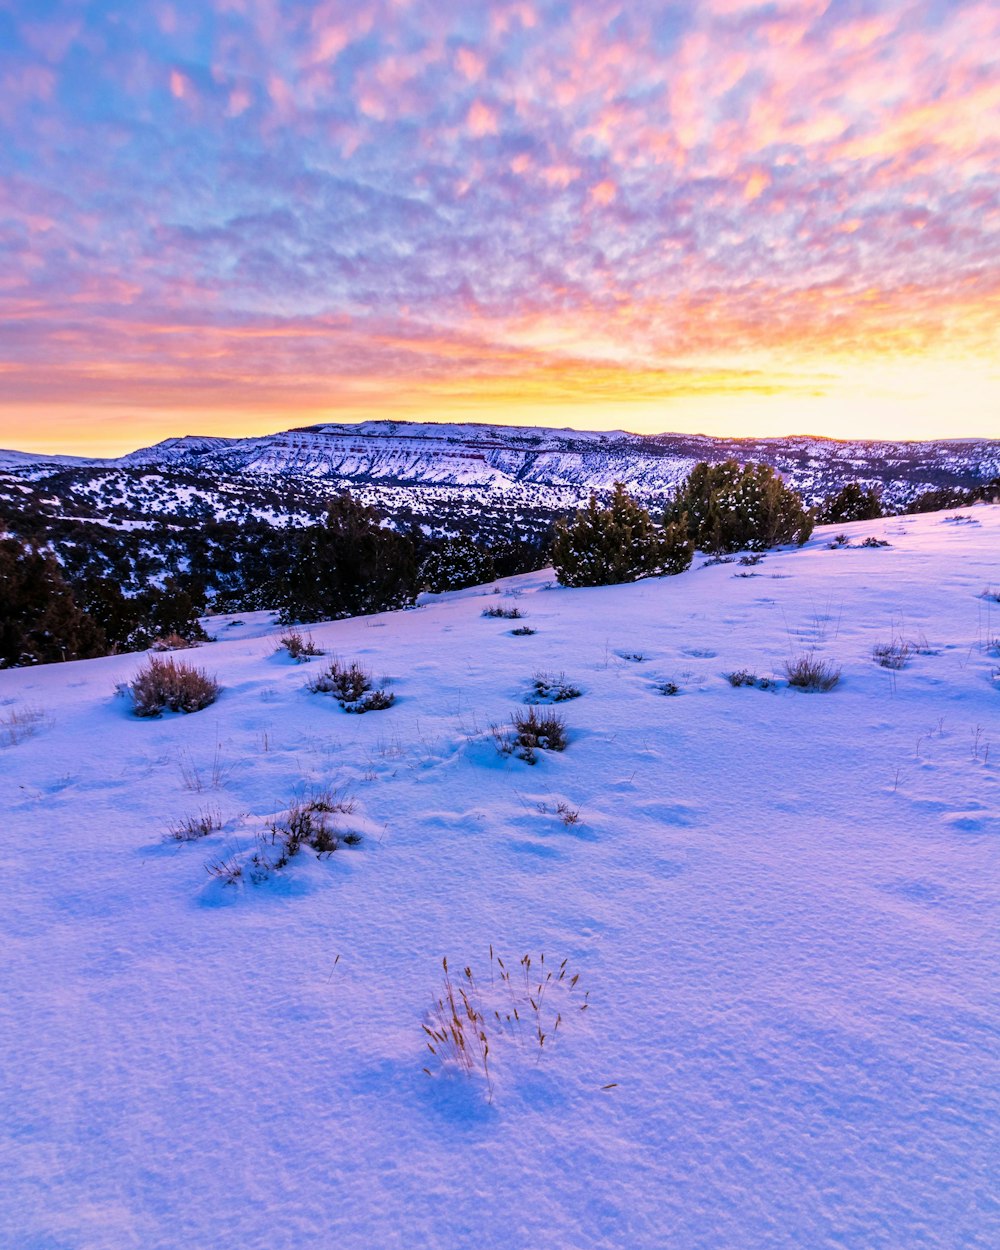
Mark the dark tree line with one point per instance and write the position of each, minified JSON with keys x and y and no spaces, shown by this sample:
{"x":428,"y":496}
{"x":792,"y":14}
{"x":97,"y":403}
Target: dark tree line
{"x":72,"y":590}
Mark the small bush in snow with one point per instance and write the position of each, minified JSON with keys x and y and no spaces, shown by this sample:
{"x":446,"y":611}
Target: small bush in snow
{"x":744,"y":677}
{"x":810,"y":672}
{"x":551,"y":688}
{"x":529,"y":732}
{"x":351,"y":685}
{"x":840,"y":540}
{"x":668,"y":688}
{"x":875,"y":542}
{"x":307,"y":824}
{"x":567,"y":814}
{"x":893,"y":654}
{"x":194,"y":827}
{"x":300,"y":648}
{"x":507,"y":614}
{"x":171,"y":686}
{"x":524,"y":631}
{"x":992,"y":593}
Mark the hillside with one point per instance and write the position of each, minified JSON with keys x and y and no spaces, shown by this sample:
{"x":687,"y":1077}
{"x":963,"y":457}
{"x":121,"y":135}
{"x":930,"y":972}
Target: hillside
{"x":478,"y":477}
{"x":781,"y":907}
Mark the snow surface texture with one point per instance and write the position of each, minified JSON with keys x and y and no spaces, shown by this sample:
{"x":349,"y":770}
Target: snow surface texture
{"x":782,"y":904}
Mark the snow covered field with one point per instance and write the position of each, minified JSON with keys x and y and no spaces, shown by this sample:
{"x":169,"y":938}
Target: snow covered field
{"x":781,"y":904}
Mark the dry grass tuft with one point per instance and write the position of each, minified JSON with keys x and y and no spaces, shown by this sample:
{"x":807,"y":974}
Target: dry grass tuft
{"x":893,"y":654}
{"x":810,"y":672}
{"x":522,"y":1007}
{"x":191,"y":828}
{"x":20,"y":724}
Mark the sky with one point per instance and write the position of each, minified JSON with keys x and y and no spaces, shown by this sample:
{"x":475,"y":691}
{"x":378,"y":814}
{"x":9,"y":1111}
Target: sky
{"x":237,"y":216}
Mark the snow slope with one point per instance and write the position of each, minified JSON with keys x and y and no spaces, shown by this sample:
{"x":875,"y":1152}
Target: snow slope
{"x":782,"y":905}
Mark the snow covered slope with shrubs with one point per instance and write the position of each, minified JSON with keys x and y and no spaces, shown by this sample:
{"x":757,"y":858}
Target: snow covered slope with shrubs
{"x":780,"y":908}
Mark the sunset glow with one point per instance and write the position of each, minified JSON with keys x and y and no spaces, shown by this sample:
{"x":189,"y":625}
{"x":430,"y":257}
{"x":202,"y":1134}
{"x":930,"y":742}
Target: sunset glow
{"x":235,"y":216}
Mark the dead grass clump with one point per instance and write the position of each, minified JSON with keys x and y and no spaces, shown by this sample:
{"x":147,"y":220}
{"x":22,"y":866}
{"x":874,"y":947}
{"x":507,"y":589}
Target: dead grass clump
{"x":171,"y":642}
{"x":744,"y":677}
{"x":525,"y":631}
{"x":191,"y":828}
{"x":522,"y":1008}
{"x":301,"y":649}
{"x":893,"y":654}
{"x":351,"y":685}
{"x":507,"y":614}
{"x":225,"y":868}
{"x":171,"y":686}
{"x":810,"y":672}
{"x":20,"y":724}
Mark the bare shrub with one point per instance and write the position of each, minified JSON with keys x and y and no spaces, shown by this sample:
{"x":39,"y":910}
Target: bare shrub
{"x":528,"y":733}
{"x":525,"y":631}
{"x":171,"y":686}
{"x":507,"y":614}
{"x":351,"y":685}
{"x":874,"y":542}
{"x":191,"y":828}
{"x":301,"y":649}
{"x":551,"y":688}
{"x":810,"y":672}
{"x":307,"y":823}
{"x":668,"y":688}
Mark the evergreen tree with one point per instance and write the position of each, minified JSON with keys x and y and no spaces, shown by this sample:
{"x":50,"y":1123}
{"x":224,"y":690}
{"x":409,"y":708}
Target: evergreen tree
{"x":347,"y":566}
{"x":40,"y":621}
{"x":732,"y":507}
{"x":454,"y":563}
{"x":620,"y":543}
{"x":851,"y":503}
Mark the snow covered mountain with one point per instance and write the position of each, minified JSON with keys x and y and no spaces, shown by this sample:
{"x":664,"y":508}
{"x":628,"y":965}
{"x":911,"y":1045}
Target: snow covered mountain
{"x":439,"y":473}
{"x":781,"y":906}
{"x":559,"y":467}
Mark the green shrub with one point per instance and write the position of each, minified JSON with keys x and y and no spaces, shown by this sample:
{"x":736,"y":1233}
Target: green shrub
{"x":733,"y":507}
{"x":851,"y":503}
{"x":619,"y":543}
